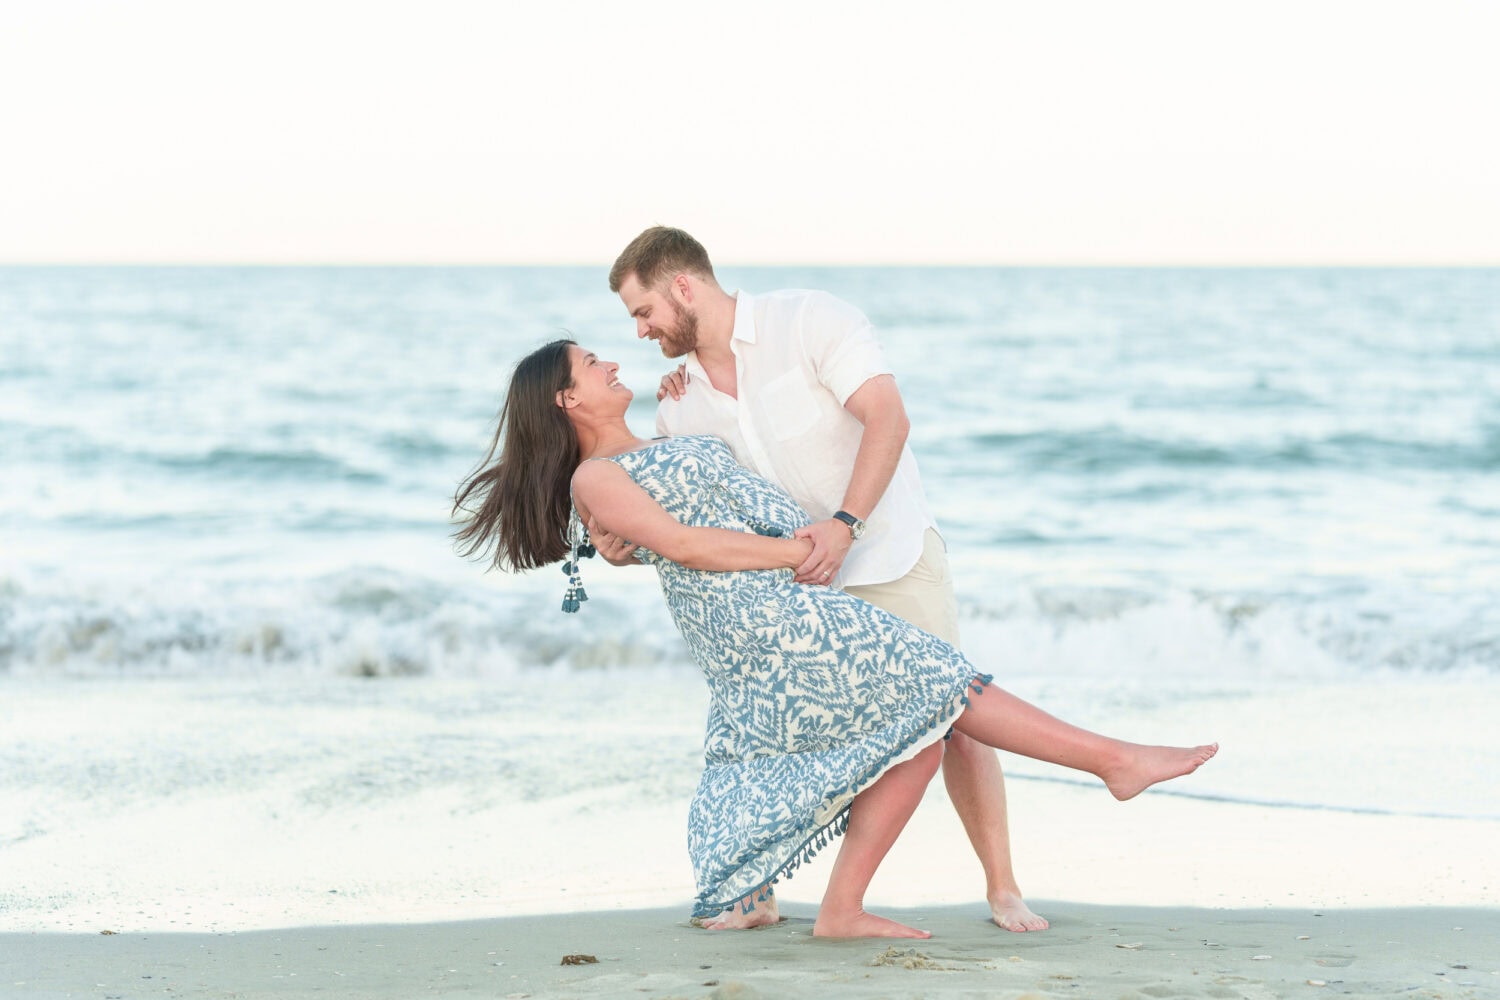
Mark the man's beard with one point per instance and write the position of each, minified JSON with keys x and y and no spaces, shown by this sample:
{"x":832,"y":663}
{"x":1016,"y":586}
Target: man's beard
{"x":683,"y":337}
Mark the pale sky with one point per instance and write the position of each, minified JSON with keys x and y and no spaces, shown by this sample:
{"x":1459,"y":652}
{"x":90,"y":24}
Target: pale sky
{"x":1045,"y":132}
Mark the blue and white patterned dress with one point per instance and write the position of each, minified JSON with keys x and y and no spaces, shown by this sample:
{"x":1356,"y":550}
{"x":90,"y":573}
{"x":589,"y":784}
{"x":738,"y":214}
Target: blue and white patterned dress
{"x":815,"y":693}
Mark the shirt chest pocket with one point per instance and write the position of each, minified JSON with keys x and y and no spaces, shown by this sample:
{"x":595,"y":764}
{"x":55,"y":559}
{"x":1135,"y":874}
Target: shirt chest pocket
{"x":789,"y":405}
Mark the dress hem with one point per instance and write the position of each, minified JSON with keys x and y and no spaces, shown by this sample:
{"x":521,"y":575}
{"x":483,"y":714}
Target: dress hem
{"x":825,"y":833}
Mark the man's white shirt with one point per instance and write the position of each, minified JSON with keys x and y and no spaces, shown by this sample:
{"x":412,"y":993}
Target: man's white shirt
{"x":799,"y":355}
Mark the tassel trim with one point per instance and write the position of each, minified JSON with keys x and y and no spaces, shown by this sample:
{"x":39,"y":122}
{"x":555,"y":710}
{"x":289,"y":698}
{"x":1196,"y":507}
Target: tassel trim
{"x":579,"y":547}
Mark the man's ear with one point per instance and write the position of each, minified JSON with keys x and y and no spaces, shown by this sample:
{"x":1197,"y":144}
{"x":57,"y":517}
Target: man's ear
{"x":683,"y":287}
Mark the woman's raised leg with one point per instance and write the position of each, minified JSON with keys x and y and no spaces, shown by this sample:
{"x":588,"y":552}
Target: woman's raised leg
{"x":1002,"y":720}
{"x":876,"y":818}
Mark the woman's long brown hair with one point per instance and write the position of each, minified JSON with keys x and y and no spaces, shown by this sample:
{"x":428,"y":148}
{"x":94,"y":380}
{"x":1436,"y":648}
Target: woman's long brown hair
{"x":518,"y":500}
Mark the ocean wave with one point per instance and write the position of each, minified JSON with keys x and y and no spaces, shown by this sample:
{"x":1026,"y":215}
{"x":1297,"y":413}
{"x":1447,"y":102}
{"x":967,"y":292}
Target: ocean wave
{"x":423,"y":446}
{"x":366,"y":622}
{"x":273,"y":463}
{"x":379,"y":623}
{"x":1110,"y":631}
{"x":290,"y":454}
{"x":1111,"y":449}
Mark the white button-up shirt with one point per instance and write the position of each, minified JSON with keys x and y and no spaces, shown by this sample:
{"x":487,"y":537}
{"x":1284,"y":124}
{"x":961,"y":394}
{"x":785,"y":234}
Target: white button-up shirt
{"x":799,"y":355}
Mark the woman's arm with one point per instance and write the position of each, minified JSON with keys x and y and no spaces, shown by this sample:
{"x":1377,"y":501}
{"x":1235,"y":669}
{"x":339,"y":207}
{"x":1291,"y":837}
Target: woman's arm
{"x":603,"y":491}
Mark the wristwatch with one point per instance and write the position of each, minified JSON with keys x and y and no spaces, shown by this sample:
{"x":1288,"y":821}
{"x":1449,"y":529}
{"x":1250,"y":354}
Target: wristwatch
{"x":856,"y":526}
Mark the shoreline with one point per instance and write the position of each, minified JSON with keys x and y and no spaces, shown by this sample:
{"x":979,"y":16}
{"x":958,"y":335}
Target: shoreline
{"x":1091,"y":950}
{"x":235,"y":806}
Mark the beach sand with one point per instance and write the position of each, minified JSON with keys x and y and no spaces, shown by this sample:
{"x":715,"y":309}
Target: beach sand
{"x":238,"y":871}
{"x":1302,"y":905}
{"x":1091,"y":951}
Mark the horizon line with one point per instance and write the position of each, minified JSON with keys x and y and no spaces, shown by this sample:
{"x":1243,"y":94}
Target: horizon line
{"x":950,"y":265}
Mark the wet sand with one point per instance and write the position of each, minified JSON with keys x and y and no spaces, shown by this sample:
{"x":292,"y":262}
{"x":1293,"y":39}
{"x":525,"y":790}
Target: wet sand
{"x":1091,"y":951}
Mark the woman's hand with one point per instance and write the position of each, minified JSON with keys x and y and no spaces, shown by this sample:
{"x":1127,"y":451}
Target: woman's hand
{"x":612,"y":548}
{"x":673,"y":384}
{"x":830,"y":544}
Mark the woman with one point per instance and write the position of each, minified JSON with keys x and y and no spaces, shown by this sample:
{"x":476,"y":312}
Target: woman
{"x":827,"y":714}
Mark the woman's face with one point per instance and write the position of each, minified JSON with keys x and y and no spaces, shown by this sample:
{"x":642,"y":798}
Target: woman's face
{"x":595,"y":381}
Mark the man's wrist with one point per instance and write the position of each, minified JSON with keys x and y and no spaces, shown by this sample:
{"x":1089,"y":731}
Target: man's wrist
{"x":855,"y":525}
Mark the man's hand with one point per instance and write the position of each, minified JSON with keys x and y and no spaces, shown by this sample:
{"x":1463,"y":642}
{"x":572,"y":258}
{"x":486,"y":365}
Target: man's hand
{"x":673,"y":384}
{"x":831,"y":543}
{"x":612,"y":548}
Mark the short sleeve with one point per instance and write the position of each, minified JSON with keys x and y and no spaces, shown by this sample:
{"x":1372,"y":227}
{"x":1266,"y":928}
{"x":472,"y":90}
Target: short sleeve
{"x":840,"y":344}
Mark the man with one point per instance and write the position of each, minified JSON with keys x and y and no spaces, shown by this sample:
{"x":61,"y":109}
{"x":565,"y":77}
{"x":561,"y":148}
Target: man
{"x":796,"y":384}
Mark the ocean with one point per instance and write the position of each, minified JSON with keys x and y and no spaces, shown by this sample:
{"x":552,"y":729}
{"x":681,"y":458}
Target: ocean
{"x":1260,"y":502}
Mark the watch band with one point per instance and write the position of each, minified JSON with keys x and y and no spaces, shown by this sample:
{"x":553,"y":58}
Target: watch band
{"x":856,"y":526}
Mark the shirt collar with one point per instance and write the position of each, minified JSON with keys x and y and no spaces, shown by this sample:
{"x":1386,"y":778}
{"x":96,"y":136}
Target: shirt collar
{"x":744,"y":331}
{"x":744,"y":317}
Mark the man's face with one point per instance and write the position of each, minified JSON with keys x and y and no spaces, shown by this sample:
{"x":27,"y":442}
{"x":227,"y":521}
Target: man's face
{"x":658,"y":317}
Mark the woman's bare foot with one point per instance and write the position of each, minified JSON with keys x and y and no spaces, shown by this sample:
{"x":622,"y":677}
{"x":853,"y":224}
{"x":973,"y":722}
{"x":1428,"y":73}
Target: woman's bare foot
{"x":859,"y":924}
{"x":1010,"y":912}
{"x":1140,"y":767}
{"x":737,"y":919}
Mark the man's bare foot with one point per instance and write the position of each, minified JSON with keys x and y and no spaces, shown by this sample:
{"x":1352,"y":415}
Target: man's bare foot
{"x":860,"y":924}
{"x":1141,"y":767}
{"x":1010,"y":912}
{"x":765,"y":913}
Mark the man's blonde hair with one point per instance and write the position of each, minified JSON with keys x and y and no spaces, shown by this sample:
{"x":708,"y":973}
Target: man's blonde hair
{"x":657,"y":255}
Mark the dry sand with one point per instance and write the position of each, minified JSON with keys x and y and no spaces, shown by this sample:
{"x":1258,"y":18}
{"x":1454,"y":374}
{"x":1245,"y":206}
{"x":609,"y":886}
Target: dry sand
{"x":1091,"y":951}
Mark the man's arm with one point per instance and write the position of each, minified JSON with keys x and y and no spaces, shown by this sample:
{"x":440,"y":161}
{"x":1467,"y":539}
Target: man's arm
{"x":877,"y":405}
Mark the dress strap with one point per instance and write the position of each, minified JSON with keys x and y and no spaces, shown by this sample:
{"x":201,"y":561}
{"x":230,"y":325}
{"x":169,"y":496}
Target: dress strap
{"x":579,"y":547}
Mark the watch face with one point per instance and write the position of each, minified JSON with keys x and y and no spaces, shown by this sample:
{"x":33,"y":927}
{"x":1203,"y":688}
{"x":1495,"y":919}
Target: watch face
{"x":856,"y":526}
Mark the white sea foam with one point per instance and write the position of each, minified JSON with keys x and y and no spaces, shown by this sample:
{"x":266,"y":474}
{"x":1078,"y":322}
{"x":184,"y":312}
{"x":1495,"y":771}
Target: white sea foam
{"x":375,"y":621}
